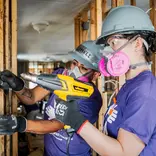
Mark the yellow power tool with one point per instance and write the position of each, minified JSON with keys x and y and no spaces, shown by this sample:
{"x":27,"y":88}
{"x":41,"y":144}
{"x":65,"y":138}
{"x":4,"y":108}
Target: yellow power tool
{"x":65,"y":87}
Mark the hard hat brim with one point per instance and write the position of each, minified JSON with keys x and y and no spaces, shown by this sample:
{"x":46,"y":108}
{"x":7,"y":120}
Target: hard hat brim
{"x":80,"y":59}
{"x":101,"y":39}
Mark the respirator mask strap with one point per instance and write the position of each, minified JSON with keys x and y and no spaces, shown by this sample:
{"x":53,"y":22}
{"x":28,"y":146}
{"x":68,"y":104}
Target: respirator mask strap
{"x":89,"y":73}
{"x":134,"y":66}
{"x":86,"y":77}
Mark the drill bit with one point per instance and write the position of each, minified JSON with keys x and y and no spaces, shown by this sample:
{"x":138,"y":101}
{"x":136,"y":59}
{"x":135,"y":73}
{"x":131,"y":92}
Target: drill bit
{"x":47,"y":81}
{"x":29,"y":77}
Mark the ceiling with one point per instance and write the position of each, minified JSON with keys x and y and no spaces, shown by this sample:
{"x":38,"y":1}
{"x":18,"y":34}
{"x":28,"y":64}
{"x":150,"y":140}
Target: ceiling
{"x":57,"y":39}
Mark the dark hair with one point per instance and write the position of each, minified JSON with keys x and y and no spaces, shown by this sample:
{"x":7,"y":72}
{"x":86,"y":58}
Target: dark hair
{"x":147,"y":54}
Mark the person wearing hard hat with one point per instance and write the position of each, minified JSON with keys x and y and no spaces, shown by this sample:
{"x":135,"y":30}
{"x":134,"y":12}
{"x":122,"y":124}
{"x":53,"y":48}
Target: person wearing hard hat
{"x":84,"y":67}
{"x":129,"y":127}
{"x":57,"y":142}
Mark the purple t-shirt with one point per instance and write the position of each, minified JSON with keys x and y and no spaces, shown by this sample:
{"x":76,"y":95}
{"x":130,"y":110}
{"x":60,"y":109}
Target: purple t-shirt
{"x":134,"y":111}
{"x":56,"y":143}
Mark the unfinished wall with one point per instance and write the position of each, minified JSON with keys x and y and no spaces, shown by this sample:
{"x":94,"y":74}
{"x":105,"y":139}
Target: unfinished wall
{"x":8,"y":55}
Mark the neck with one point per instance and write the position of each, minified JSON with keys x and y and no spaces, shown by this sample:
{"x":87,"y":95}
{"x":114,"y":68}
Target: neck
{"x":134,"y":72}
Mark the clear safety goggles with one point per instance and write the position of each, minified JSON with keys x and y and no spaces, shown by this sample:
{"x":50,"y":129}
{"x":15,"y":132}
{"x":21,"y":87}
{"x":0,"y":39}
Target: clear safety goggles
{"x":115,"y":40}
{"x":118,"y":42}
{"x":121,"y":41}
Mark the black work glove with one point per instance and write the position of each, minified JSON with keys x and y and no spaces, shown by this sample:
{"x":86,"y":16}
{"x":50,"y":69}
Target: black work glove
{"x":4,"y":85}
{"x":10,"y":124}
{"x":13,"y":81}
{"x":69,"y":114}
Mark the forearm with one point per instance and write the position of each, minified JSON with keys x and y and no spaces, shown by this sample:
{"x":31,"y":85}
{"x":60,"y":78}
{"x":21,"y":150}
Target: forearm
{"x":26,"y":96}
{"x":43,"y":126}
{"x":31,"y":96}
{"x":101,"y":143}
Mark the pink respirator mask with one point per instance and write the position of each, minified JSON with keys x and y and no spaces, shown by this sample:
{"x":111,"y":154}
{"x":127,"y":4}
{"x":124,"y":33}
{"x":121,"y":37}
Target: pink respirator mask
{"x":115,"y":63}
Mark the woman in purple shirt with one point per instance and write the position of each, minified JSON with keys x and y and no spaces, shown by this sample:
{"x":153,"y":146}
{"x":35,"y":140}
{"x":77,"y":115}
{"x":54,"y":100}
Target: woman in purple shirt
{"x":129,"y":127}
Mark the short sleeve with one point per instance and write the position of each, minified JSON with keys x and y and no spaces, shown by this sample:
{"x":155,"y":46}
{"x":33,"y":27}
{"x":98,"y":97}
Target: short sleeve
{"x":58,"y":71}
{"x":139,"y":116}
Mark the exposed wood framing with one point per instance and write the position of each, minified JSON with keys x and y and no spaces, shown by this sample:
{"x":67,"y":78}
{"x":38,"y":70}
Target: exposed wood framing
{"x":14,"y":37}
{"x":104,"y":8}
{"x":153,"y":18}
{"x":2,"y":151}
{"x":84,"y":32}
{"x":151,"y":3}
{"x":113,"y":3}
{"x":81,"y":31}
{"x":80,"y":34}
{"x":92,"y":21}
{"x":133,"y":2}
{"x":77,"y":31}
{"x":14,"y":67}
{"x":83,"y":17}
{"x":1,"y":51}
{"x":86,"y":9}
{"x":7,"y":66}
{"x":98,"y":17}
{"x":6,"y":48}
{"x":120,"y":2}
{"x":7,"y":31}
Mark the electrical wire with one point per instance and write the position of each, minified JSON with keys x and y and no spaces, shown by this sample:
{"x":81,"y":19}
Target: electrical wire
{"x":70,"y":133}
{"x":115,"y":83}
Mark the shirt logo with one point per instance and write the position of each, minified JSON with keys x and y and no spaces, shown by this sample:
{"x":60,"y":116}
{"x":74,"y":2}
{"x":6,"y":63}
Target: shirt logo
{"x":60,"y":109}
{"x":112,"y":115}
{"x":50,"y":111}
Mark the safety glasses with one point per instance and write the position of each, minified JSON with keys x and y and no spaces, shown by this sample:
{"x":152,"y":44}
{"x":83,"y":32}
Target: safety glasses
{"x":115,"y":39}
{"x":117,"y":43}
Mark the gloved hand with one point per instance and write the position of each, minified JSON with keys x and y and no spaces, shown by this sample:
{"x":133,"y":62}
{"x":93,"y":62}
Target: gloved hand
{"x":69,"y":114}
{"x":10,"y":124}
{"x":4,"y":85}
{"x":13,"y":81}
